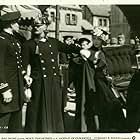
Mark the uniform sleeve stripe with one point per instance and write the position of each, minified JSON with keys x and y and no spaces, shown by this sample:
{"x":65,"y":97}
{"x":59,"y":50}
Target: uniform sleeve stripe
{"x":2,"y":37}
{"x":3,"y":85}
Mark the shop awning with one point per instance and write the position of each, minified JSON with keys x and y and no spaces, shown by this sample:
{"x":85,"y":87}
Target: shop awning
{"x":86,"y":25}
{"x":27,"y":11}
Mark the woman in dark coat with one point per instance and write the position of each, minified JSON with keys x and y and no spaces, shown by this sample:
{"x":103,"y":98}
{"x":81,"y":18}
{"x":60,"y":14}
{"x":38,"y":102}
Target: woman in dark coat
{"x":44,"y":112}
{"x":83,"y":80}
{"x":97,"y":107}
{"x":108,"y":107}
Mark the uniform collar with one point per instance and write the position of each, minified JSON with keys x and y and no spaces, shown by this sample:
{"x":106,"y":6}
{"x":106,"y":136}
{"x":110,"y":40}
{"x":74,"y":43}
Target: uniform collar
{"x":8,"y":32}
{"x":6,"y":35}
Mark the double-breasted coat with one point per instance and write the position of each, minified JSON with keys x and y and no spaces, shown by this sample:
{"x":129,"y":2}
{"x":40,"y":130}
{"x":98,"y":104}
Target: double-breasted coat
{"x":44,"y":113}
{"x":11,"y":72}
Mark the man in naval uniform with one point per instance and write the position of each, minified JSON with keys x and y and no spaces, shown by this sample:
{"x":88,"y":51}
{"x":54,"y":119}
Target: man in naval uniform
{"x":11,"y":74}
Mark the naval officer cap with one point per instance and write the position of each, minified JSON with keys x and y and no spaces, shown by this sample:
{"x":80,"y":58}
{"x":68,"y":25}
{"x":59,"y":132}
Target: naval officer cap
{"x":7,"y":15}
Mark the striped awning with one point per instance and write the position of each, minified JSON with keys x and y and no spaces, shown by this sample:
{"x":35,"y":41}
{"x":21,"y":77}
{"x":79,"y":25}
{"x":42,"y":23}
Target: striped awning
{"x":86,"y":25}
{"x":27,"y":11}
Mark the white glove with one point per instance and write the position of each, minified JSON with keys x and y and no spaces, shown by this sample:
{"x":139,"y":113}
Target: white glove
{"x":28,"y":80}
{"x":85,"y":53}
{"x":7,"y":96}
{"x":28,"y":94}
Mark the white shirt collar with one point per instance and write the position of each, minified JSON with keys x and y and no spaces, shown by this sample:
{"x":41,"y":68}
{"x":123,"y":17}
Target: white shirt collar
{"x":43,"y":40}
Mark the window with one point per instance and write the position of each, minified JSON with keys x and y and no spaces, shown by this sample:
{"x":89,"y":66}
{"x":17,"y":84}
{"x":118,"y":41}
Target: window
{"x":71,"y":19}
{"x":74,"y":19}
{"x":105,"y":22}
{"x":100,"y":22}
{"x":52,"y":14}
{"x":68,"y":19}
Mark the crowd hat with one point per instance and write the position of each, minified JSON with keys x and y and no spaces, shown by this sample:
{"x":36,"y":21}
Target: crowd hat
{"x":84,"y":39}
{"x":7,"y":15}
{"x":67,"y":36}
{"x":101,"y":34}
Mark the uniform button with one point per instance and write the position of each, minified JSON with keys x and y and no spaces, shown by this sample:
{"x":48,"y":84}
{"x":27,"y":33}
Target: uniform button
{"x":42,"y":61}
{"x":44,"y":76}
{"x":18,"y":67}
{"x":54,"y":74}
{"x":51,"y":52}
{"x":50,"y":46}
{"x":53,"y":67}
{"x":17,"y":57}
{"x":20,"y":56}
{"x":40,"y":54}
{"x":52,"y":60}
{"x":18,"y":44}
{"x":21,"y":65}
{"x":16,"y":53}
{"x":18,"y":62}
{"x":43,"y":68}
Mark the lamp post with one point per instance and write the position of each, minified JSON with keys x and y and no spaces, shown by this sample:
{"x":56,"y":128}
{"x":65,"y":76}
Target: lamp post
{"x":57,"y":21}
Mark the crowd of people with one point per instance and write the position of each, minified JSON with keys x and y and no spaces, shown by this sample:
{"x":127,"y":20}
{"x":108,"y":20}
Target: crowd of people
{"x":32,"y":72}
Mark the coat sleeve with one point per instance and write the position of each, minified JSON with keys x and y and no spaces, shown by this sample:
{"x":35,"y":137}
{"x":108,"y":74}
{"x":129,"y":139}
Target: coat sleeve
{"x":62,"y":47}
{"x":3,"y":81}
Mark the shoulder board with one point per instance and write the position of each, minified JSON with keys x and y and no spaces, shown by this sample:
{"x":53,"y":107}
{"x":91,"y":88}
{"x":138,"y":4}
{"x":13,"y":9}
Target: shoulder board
{"x":2,"y":37}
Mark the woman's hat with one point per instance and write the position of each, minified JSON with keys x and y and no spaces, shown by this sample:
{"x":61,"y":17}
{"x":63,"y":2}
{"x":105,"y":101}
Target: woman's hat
{"x":101,"y":34}
{"x":84,"y":39}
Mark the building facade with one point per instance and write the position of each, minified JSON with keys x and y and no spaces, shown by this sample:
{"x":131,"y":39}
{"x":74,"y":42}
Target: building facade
{"x":97,"y":15}
{"x":70,"y":22}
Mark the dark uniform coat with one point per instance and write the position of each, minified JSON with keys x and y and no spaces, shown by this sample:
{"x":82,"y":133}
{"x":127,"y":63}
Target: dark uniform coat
{"x":44,"y":113}
{"x":10,"y":72}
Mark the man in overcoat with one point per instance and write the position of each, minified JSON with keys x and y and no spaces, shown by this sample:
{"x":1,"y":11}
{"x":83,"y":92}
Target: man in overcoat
{"x":44,"y":112}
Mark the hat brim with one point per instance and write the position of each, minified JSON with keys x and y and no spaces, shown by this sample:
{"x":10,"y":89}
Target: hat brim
{"x":84,"y":39}
{"x":11,"y":16}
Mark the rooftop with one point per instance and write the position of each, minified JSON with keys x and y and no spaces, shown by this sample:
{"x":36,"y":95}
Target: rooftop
{"x":100,"y":10}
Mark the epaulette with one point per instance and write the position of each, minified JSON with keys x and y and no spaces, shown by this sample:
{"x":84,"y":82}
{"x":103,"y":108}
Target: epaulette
{"x":2,"y":37}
